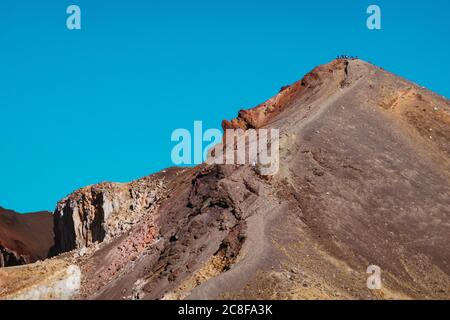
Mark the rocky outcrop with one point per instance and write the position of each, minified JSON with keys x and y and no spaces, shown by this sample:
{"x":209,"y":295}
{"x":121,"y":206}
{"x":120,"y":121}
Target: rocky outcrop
{"x":24,"y":238}
{"x":102,"y":212}
{"x":10,"y":258}
{"x":202,"y":217}
{"x":304,"y":90}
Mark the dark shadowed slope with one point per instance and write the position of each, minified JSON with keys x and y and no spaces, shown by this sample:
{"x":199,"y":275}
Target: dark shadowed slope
{"x":24,"y":238}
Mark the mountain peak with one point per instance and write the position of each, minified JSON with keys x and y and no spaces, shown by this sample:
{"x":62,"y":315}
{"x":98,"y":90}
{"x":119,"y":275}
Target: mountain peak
{"x":364,"y":181}
{"x":338,"y":72}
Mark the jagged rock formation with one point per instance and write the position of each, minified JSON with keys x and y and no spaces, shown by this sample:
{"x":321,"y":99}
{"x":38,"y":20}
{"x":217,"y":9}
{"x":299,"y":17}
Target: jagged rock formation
{"x":364,"y":180}
{"x":102,"y":211}
{"x":24,"y":238}
{"x":303,"y":89}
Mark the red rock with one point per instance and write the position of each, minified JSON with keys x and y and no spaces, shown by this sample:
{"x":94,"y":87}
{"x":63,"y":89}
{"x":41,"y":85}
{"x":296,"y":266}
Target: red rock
{"x":24,"y":238}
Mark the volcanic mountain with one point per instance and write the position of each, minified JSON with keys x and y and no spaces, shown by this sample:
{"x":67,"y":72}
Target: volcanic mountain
{"x":363,"y":180}
{"x":24,"y":238}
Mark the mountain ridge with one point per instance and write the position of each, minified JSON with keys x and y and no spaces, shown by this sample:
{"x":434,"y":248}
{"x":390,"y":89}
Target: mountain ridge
{"x":24,"y":238}
{"x":364,"y":180}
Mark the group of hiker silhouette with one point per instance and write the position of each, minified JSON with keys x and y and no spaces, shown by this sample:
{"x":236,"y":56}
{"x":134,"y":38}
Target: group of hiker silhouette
{"x":343,"y":56}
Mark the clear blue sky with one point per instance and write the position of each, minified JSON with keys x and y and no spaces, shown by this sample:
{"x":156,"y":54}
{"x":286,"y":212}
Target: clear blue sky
{"x":80,"y":107}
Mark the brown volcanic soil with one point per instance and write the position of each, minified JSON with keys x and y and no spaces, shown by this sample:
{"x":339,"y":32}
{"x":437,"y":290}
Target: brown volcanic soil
{"x":24,"y":238}
{"x":364,"y":180}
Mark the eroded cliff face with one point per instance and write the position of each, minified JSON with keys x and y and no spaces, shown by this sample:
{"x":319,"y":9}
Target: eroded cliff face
{"x":101,"y":212}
